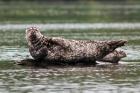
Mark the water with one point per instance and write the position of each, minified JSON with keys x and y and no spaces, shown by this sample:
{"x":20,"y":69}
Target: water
{"x":103,"y":78}
{"x":56,"y":26}
{"x":75,"y":20}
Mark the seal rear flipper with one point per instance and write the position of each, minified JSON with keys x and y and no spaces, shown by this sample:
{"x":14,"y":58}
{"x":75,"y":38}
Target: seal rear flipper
{"x":114,"y":57}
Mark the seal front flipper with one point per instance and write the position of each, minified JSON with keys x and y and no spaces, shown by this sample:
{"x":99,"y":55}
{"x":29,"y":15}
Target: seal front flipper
{"x":38,"y":54}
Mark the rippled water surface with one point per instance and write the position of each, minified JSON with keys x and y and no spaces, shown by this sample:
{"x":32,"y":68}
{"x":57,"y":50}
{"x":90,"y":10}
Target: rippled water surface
{"x":103,"y":78}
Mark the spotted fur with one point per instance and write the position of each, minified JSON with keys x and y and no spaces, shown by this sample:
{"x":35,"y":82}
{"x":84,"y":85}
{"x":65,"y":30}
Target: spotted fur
{"x":56,"y":49}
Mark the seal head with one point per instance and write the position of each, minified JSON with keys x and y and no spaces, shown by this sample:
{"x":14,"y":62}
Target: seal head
{"x":32,"y":34}
{"x":37,"y":48}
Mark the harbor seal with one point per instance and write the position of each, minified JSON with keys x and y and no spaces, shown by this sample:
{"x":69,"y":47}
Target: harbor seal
{"x":57,"y":49}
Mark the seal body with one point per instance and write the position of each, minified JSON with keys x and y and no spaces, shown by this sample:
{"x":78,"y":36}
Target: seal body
{"x":52,"y":49}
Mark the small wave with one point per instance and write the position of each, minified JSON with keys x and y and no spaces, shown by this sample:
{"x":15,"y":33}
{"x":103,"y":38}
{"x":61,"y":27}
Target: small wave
{"x":73,"y":26}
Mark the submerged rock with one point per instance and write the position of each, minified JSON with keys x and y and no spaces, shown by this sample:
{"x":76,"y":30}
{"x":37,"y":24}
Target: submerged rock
{"x":61,"y":50}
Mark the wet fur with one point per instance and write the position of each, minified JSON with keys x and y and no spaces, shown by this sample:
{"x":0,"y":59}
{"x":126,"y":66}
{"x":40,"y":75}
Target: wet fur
{"x":56,"y":49}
